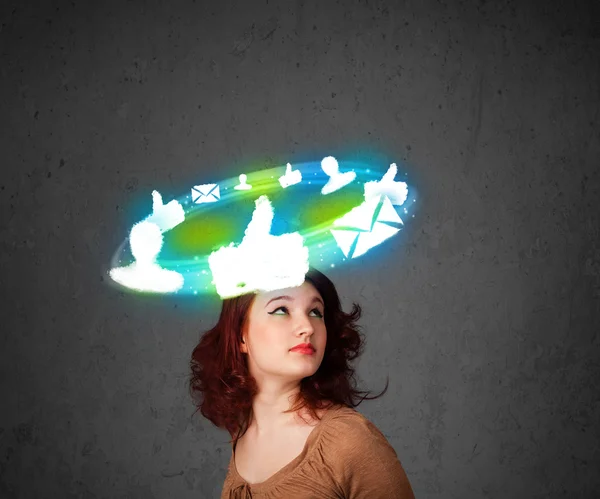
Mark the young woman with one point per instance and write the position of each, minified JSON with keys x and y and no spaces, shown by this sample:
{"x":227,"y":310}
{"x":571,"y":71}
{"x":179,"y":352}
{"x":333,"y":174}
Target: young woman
{"x":274,"y":372}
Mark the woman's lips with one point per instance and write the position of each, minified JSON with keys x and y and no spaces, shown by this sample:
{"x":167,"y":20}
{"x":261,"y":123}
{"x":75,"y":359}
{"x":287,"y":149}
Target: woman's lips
{"x":304,"y":350}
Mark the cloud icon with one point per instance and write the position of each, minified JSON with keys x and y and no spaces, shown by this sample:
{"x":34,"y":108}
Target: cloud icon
{"x":144,"y":274}
{"x":262,"y":261}
{"x":165,"y":216}
{"x":396,"y":192}
{"x":290,"y":177}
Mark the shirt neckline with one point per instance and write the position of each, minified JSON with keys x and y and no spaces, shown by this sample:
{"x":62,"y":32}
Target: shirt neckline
{"x":293,"y":465}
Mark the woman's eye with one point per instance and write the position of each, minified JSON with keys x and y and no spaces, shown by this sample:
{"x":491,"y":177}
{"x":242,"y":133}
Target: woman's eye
{"x":319,"y":314}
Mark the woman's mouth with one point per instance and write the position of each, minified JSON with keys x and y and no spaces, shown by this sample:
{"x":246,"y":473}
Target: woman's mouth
{"x":304,"y":350}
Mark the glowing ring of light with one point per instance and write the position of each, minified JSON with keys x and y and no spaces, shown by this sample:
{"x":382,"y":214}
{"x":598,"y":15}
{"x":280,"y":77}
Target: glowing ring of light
{"x":323,"y":249}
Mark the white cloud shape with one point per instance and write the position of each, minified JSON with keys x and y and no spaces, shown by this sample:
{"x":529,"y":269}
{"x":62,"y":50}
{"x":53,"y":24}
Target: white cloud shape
{"x":262,"y":261}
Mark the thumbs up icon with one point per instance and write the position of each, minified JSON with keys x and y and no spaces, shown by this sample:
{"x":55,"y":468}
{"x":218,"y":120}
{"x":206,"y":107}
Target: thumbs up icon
{"x":165,"y":216}
{"x":290,"y":177}
{"x":261,"y":261}
{"x":397,"y":192}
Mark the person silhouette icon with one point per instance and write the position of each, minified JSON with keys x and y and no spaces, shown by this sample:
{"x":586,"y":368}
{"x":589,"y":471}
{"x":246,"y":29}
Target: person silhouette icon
{"x":144,"y":274}
{"x":243,"y":186}
{"x":337,"y":180}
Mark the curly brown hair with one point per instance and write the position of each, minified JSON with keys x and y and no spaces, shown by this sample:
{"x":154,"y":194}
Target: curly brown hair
{"x":223,"y":389}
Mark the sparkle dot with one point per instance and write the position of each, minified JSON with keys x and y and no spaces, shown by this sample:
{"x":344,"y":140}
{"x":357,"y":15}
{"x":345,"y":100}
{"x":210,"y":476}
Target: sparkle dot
{"x":332,"y":265}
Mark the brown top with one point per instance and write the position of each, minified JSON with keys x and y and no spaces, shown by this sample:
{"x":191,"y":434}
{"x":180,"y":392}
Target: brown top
{"x":345,"y":456}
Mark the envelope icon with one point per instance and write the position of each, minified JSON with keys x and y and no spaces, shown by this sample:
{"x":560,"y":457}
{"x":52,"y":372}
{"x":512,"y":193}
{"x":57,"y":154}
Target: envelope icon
{"x":207,"y":193}
{"x":366,"y":226}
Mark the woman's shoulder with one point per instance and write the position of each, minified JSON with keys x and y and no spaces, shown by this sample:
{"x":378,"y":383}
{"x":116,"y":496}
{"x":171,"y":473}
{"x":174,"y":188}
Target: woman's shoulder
{"x":360,"y":457}
{"x":347,"y":429}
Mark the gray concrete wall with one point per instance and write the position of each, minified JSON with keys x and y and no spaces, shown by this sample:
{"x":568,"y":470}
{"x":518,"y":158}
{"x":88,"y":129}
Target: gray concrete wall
{"x":485,"y":313}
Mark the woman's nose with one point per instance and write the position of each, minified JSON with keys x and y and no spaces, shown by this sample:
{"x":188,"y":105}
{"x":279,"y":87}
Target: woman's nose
{"x":303,"y":325}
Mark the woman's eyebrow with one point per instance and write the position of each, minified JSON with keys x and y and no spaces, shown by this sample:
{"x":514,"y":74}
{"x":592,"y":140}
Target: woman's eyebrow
{"x":289,"y":298}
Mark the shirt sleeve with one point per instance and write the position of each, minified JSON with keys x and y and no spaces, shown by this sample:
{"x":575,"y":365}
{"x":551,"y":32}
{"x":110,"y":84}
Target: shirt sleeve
{"x":368,"y":465}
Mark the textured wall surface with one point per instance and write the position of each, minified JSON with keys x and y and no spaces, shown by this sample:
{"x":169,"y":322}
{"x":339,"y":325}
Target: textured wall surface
{"x":485,"y":312}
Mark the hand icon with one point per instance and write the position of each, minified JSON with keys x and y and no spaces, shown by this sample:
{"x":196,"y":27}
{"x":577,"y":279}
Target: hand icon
{"x":262,"y":261}
{"x":157,"y":203}
{"x":165,"y":216}
{"x":290,"y":177}
{"x":397,"y":192}
{"x":260,"y":225}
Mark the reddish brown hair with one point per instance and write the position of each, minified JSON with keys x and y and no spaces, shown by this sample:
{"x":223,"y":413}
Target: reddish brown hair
{"x":223,"y":389}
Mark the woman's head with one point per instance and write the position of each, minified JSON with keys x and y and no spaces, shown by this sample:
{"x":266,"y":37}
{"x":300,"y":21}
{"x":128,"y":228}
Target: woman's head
{"x":250,"y":345}
{"x":277,"y":321}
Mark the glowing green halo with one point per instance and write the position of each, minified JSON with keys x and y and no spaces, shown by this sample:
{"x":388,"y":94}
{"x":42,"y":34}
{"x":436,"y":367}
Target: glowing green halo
{"x":192,"y":228}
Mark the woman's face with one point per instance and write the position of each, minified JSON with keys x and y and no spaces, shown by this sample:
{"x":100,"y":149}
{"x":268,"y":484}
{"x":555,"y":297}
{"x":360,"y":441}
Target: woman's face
{"x":278,"y":321}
